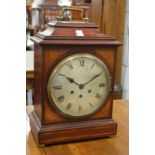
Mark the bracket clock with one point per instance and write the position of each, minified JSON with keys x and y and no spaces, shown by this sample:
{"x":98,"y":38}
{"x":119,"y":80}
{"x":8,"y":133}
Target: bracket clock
{"x":74,"y":83}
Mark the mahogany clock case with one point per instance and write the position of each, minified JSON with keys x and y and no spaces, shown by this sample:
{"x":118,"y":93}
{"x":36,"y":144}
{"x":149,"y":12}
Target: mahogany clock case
{"x":48,"y":125}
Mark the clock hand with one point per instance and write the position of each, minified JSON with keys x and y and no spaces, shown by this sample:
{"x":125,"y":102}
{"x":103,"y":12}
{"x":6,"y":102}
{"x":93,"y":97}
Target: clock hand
{"x":71,"y":80}
{"x":92,"y":78}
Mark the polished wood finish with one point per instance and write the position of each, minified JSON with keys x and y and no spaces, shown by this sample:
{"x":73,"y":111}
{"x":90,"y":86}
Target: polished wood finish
{"x":109,"y":15}
{"x":97,"y":12}
{"x":113,"y":21}
{"x":116,"y":145}
{"x":48,"y":126}
{"x":71,"y":131}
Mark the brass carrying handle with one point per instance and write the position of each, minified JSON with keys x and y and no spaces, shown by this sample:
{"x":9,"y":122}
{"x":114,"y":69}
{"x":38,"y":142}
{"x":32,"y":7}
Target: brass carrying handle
{"x":65,"y":9}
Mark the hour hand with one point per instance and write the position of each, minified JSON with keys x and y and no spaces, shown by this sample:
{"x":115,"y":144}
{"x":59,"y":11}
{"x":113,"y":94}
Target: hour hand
{"x":71,"y":80}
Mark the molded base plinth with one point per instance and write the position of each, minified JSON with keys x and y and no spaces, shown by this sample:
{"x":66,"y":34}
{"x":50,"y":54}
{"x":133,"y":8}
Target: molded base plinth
{"x":72,"y":131}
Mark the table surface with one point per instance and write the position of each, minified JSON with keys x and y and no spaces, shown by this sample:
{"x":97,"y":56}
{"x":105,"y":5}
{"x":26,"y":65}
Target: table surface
{"x":116,"y":145}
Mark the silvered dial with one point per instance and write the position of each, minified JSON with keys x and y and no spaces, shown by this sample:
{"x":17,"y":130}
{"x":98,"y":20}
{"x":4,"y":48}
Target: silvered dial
{"x":79,"y":85}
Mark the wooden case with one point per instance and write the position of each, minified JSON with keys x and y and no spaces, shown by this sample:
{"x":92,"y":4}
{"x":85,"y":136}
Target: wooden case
{"x":58,"y":41}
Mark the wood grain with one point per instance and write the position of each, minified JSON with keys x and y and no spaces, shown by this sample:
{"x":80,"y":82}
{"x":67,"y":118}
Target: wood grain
{"x":54,"y":55}
{"x":97,"y":12}
{"x":109,"y":17}
{"x":116,"y":145}
{"x":47,"y":124}
{"x":113,"y":20}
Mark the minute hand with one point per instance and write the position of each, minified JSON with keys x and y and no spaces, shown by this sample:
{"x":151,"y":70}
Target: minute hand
{"x":93,"y":78}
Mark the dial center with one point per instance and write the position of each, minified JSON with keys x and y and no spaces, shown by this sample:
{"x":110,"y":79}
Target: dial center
{"x":81,"y":86}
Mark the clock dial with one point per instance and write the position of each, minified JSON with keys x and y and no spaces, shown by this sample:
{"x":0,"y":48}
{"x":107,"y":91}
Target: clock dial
{"x":79,"y":85}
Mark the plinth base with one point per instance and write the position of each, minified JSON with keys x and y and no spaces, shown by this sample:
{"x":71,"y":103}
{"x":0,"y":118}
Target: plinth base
{"x":73,"y":131}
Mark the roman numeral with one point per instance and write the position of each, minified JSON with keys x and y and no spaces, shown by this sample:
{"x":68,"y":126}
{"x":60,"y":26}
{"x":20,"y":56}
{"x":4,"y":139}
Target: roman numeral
{"x":91,"y":105}
{"x":98,"y":96}
{"x":82,"y":62}
{"x":70,"y":66}
{"x":61,"y":74}
{"x":92,"y":66}
{"x":69,"y":105}
{"x":89,"y":91}
{"x":80,"y":108}
{"x":57,"y":87}
{"x":101,"y":84}
{"x":60,"y":99}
